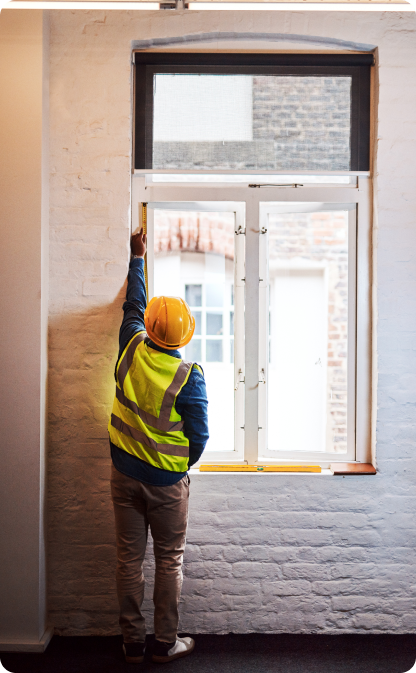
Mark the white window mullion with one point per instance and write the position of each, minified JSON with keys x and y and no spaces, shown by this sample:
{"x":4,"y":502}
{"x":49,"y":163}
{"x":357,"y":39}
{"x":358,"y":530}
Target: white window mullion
{"x":252,"y":331}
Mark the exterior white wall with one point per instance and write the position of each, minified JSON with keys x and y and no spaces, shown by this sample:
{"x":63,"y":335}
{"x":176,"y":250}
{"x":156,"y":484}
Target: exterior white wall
{"x":297,"y":553}
{"x":24,"y":254}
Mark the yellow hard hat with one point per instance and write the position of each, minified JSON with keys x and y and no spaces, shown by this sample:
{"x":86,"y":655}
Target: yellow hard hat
{"x":169,"y":322}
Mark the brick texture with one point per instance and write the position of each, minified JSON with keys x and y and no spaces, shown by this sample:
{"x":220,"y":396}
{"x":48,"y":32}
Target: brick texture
{"x":194,"y":232}
{"x":299,"y":553}
{"x":299,"y":123}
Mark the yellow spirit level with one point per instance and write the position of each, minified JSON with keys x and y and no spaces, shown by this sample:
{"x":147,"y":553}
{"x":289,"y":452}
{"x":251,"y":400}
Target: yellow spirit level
{"x":259,"y":468}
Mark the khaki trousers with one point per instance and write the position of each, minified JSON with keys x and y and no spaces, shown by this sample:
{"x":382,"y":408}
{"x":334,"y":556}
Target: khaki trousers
{"x":165,"y":509}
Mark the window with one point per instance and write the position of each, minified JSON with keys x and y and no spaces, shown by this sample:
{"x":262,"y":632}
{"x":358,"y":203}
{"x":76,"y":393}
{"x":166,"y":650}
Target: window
{"x":280,"y":291}
{"x":273,"y":259}
{"x":263,"y":112}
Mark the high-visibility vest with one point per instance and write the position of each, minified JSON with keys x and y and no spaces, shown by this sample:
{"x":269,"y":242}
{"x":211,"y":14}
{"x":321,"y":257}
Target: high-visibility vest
{"x":144,"y":421}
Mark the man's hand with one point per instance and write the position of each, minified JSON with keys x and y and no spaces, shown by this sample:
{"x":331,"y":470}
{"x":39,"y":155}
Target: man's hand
{"x":138,"y":244}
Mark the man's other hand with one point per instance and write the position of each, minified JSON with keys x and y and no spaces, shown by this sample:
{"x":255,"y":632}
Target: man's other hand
{"x":138,"y":244}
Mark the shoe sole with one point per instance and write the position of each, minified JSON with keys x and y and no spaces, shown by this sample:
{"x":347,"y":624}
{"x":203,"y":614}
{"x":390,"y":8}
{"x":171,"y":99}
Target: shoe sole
{"x":134,"y":660}
{"x":165,"y":660}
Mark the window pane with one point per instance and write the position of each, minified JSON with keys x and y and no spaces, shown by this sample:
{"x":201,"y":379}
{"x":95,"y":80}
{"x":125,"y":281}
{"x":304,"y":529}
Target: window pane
{"x":231,"y":322}
{"x":193,"y":295}
{"x":214,"y":108}
{"x":307,"y":377}
{"x":193,"y":351}
{"x":214,"y":324}
{"x":197,"y":316}
{"x":194,"y":258}
{"x":215,"y":294}
{"x":214,"y":350}
{"x":237,"y":122}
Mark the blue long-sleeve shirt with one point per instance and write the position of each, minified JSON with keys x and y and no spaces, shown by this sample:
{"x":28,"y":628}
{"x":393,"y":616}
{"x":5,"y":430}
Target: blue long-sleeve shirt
{"x":191,"y":402}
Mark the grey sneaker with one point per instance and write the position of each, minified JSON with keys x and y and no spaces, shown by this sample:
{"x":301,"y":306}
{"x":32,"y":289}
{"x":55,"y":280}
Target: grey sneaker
{"x":164,"y":652}
{"x":134,"y":652}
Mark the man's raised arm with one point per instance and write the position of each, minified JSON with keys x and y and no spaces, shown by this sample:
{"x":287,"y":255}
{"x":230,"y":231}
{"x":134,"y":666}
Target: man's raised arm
{"x":136,"y":299}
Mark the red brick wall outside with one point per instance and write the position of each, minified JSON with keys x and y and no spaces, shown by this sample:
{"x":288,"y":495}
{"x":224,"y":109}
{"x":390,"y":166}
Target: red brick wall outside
{"x":194,"y":232}
{"x":299,"y":123}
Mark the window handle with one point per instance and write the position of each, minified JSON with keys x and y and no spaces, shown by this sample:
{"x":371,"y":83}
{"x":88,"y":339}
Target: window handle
{"x":293,"y":184}
{"x":240,"y":378}
{"x":262,"y":377}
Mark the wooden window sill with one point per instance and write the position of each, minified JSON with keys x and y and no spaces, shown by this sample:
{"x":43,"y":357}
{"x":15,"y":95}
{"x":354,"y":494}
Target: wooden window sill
{"x":352,"y":468}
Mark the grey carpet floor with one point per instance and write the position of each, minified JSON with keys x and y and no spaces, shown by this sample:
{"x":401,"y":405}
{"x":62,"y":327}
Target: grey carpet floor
{"x":253,"y":653}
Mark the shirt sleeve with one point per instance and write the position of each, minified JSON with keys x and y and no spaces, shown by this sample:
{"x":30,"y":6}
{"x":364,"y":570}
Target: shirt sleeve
{"x":135,"y":304}
{"x":192,"y":405}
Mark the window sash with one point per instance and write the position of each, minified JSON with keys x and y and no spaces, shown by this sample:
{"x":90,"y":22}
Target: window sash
{"x":264,"y":421}
{"x":248,"y":200}
{"x":357,"y":66}
{"x":236,"y":454}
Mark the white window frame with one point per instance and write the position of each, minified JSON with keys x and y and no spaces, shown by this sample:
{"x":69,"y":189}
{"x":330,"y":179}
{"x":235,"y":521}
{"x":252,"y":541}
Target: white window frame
{"x":265,"y":455}
{"x":248,"y":200}
{"x":236,"y":454}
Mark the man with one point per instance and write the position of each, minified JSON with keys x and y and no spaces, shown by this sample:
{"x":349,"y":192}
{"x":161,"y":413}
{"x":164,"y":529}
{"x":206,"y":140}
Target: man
{"x":158,"y":429}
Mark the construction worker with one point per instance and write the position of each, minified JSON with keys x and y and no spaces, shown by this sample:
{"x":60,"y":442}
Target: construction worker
{"x":158,"y":429}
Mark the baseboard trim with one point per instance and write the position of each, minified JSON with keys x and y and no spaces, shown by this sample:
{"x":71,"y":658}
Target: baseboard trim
{"x":28,"y":646}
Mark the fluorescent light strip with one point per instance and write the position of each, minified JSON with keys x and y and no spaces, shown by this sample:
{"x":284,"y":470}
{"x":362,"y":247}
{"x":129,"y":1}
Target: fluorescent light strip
{"x":217,"y":6}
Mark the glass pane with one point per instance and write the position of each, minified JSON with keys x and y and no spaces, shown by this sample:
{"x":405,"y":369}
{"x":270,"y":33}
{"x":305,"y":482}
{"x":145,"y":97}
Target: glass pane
{"x":214,"y":324}
{"x":214,"y":108}
{"x":307,"y":376}
{"x":193,"y":295}
{"x":194,"y":258}
{"x":251,"y":122}
{"x":214,"y":294}
{"x":231,"y":322}
{"x":193,"y":351}
{"x":214,"y":350}
{"x":198,"y":323}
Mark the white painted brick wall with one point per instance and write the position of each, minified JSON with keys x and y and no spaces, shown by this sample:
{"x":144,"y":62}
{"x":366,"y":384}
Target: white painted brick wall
{"x":292,"y":553}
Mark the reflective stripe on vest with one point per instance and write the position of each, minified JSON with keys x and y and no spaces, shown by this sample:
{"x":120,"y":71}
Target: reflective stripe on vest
{"x":144,"y":421}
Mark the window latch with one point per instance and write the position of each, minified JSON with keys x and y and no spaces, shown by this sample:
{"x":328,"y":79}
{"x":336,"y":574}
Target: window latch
{"x":240,"y":231}
{"x":240,"y":378}
{"x":262,"y":376}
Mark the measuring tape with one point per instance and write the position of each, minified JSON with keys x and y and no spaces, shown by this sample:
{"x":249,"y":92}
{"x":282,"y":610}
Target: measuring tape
{"x":143,"y":228}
